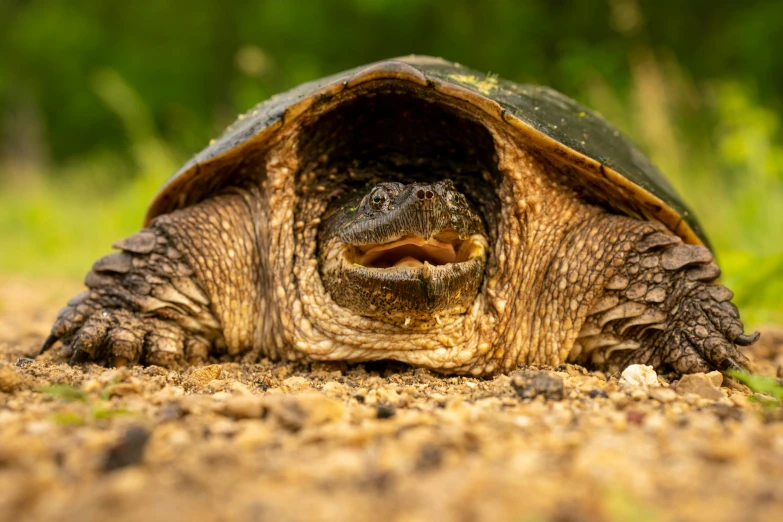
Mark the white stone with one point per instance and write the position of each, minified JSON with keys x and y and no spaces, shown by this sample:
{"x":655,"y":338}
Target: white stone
{"x":639,"y":376}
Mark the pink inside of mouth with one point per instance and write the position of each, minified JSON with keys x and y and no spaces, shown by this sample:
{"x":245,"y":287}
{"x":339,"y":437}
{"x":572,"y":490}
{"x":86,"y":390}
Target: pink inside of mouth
{"x":410,"y":251}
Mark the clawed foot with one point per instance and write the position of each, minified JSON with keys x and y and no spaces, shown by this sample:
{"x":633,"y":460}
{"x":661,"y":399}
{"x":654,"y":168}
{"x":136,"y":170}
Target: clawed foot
{"x":703,"y":336}
{"x":142,"y":306}
{"x":121,"y":338}
{"x":664,"y":308}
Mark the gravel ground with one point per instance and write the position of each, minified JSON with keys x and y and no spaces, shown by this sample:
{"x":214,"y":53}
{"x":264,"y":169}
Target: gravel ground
{"x":286,"y":442}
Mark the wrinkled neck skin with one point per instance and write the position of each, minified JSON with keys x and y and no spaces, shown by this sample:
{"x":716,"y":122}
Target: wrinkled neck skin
{"x":538,"y":278}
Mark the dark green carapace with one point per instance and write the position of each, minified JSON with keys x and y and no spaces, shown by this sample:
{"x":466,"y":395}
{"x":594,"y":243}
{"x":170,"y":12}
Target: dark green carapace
{"x":571,"y":127}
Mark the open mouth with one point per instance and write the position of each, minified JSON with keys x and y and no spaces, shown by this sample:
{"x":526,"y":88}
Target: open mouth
{"x":412,"y":251}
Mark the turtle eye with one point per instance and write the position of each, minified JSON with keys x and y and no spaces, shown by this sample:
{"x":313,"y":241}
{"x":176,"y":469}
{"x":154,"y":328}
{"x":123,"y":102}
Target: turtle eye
{"x":377,"y":199}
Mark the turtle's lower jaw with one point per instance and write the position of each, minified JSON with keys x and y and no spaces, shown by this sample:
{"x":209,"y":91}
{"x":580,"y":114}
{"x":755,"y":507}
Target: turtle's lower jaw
{"x":411,"y":281}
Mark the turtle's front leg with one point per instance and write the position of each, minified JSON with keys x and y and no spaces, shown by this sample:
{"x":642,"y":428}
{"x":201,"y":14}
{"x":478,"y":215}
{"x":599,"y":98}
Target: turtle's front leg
{"x":177,"y":291}
{"x":663,"y":307}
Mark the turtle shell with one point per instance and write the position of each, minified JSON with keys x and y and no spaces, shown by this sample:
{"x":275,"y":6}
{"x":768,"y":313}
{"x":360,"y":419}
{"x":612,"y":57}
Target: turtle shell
{"x":602,"y":159}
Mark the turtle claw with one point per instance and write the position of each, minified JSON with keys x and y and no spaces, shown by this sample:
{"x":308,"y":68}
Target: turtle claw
{"x":729,"y":364}
{"x":142,"y":305}
{"x":747,"y":339}
{"x":48,"y":343}
{"x":118,"y":337}
{"x":708,"y":332}
{"x":105,"y":327}
{"x":698,"y":329}
{"x":79,"y":356}
{"x":697,"y":337}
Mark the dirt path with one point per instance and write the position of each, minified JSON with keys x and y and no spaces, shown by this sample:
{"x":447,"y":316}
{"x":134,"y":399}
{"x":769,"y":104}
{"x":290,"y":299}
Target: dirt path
{"x":330,"y":442}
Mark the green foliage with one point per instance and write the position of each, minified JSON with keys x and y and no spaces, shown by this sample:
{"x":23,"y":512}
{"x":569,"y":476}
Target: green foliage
{"x":621,"y":506}
{"x":57,"y":226}
{"x":100,"y":102}
{"x":197,"y":63}
{"x":65,"y":392}
{"x":762,"y":384}
{"x":68,"y":418}
{"x":93,"y":411}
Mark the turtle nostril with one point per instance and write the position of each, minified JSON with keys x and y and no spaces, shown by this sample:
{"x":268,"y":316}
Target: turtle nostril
{"x":429,"y":195}
{"x":420,"y":194}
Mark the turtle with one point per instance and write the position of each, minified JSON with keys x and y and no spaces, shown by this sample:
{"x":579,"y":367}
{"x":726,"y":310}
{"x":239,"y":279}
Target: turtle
{"x":415,"y":210}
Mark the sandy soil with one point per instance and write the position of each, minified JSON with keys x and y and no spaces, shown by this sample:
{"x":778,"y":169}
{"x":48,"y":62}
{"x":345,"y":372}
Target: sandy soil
{"x":285,"y":442}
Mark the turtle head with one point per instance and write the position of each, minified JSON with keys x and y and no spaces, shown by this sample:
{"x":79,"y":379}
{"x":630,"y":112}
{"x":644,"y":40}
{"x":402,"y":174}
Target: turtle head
{"x":410,"y":254}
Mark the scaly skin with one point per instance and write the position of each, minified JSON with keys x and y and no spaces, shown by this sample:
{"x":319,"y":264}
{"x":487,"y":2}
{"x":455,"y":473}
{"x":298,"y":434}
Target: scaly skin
{"x":237,"y":275}
{"x":200,"y":282}
{"x":180,"y":290}
{"x":663,"y":307}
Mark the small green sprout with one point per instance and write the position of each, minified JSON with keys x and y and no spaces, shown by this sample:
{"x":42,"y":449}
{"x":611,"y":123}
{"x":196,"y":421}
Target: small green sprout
{"x":68,"y":418}
{"x":761,"y":384}
{"x":96,"y":410}
{"x":65,"y":392}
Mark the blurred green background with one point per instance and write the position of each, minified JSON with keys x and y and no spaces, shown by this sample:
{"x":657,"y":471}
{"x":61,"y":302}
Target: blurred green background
{"x":101,"y":101}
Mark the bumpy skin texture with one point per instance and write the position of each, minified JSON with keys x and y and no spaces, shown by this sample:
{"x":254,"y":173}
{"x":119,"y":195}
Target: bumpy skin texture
{"x":178,"y":291}
{"x":652,"y":299}
{"x":662,"y":307}
{"x":368,"y":245}
{"x":567,"y":275}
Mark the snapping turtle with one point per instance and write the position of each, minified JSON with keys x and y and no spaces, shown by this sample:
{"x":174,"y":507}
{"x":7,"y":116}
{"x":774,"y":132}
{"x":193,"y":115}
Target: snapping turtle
{"x":416,"y":210}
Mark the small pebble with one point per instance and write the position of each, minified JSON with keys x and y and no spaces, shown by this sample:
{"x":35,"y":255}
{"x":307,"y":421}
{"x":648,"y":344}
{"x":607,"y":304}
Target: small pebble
{"x":333,"y":389}
{"x":739,"y":400}
{"x":430,"y":457}
{"x":295,"y":412}
{"x":254,"y":433}
{"x":639,"y":376}
{"x":223,"y":428}
{"x":10,"y":379}
{"x":129,"y":450}
{"x":662,"y":394}
{"x":531,"y":384}
{"x":386,"y":411}
{"x":200,"y":377}
{"x":597,"y":392}
{"x":619,"y":399}
{"x":296,"y":383}
{"x":699,"y":384}
{"x":723,"y":450}
{"x":170,"y":412}
{"x":716,"y":378}
{"x":244,"y":407}
{"x":634,"y":417}
{"x":123,"y":389}
{"x":155,"y":371}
